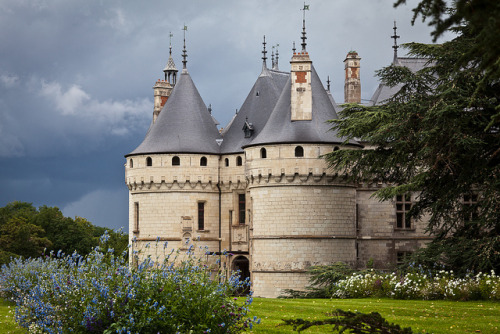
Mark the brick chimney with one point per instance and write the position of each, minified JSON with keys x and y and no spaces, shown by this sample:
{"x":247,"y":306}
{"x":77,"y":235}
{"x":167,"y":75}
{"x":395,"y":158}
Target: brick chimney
{"x":352,"y":86}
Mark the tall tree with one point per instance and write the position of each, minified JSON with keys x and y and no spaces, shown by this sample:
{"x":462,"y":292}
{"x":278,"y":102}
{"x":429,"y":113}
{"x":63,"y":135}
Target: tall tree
{"x":438,"y":137}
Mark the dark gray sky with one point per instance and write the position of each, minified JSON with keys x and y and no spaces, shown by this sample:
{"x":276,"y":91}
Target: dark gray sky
{"x":76,"y":79}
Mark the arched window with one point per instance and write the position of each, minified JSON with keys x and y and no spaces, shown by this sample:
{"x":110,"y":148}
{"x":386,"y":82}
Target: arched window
{"x":299,"y":151}
{"x":227,"y":162}
{"x":239,"y":161}
{"x":336,"y":148}
{"x":131,"y":163}
{"x":263,"y":153}
{"x":176,"y":161}
{"x":149,"y":162}
{"x":203,"y":161}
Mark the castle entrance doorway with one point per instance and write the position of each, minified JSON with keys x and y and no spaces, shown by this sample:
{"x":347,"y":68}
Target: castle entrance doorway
{"x":242,"y":264}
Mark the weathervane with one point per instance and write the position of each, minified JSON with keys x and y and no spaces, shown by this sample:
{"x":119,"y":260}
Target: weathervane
{"x":170,"y":47}
{"x":184,"y":53}
{"x":306,"y":7}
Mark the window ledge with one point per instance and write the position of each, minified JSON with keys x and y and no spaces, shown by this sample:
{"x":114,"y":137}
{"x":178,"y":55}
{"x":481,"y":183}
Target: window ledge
{"x":202,"y":231}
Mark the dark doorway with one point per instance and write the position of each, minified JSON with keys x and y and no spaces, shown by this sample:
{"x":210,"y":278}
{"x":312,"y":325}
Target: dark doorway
{"x":241,"y":264}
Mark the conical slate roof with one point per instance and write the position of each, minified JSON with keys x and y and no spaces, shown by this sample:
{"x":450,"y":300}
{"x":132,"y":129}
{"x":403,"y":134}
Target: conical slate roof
{"x":280,"y":129}
{"x":255,"y":110}
{"x":184,"y":124}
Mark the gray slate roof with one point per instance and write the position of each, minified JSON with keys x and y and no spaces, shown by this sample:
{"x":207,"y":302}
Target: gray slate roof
{"x":384,"y":92}
{"x":184,"y":124}
{"x":256,"y":108}
{"x":280,"y":128}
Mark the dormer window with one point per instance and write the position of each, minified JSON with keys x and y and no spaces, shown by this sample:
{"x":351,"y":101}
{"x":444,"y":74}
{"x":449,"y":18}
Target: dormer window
{"x":248,"y":128}
{"x":299,"y":151}
{"x":149,"y":162}
{"x":203,"y":161}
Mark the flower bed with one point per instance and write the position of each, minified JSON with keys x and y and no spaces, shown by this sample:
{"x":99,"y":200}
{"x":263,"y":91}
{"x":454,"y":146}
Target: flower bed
{"x":441,"y":285}
{"x":99,"y":293}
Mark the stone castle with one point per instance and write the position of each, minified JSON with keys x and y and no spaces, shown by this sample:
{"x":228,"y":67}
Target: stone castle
{"x":260,"y":189}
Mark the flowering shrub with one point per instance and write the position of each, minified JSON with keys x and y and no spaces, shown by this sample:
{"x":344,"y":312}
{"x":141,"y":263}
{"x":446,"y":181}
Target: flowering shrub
{"x":99,"y":293}
{"x":441,"y":285}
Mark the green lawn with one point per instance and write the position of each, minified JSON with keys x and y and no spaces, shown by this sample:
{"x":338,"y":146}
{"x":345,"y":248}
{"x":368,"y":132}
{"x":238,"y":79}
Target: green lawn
{"x":421,"y":316}
{"x":7,"y":323}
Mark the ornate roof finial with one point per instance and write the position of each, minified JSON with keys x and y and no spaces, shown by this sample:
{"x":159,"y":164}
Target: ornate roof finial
{"x":184,"y":53}
{"x":170,"y":47}
{"x":293,"y":48}
{"x":306,"y":7}
{"x":275,"y":67}
{"x":264,"y":58}
{"x":272,"y":57}
{"x":328,"y":84}
{"x":210,"y":108}
{"x":395,"y":46}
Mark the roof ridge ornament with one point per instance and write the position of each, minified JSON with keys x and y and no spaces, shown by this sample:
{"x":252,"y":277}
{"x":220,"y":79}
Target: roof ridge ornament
{"x":275,"y":62}
{"x":328,"y":84}
{"x":395,"y":46}
{"x":304,"y":44}
{"x":264,"y":58}
{"x":184,"y":53}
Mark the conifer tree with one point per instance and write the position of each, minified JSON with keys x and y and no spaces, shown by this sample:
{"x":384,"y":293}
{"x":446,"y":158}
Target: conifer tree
{"x":438,"y":137}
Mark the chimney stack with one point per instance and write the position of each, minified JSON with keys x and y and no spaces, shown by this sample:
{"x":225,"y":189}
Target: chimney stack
{"x":352,"y":86}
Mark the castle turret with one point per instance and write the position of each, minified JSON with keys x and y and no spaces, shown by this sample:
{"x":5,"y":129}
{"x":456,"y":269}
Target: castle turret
{"x":163,"y":88}
{"x":352,"y":86}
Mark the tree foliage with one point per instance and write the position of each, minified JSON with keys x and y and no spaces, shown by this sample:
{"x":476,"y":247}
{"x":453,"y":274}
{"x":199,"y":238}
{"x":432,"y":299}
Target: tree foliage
{"x":27,"y":231}
{"x":482,"y":18}
{"x":438,"y":137}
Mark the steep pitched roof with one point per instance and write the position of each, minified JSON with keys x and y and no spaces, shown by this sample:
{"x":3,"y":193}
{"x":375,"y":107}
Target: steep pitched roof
{"x":280,"y":128}
{"x":184,"y":124}
{"x":384,"y":92}
{"x":256,"y":110}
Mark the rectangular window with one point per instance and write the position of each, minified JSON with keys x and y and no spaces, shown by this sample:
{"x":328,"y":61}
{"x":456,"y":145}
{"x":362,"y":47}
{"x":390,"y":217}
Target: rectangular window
{"x":402,"y":257}
{"x":136,"y":217}
{"x":470,"y":207}
{"x":241,"y":209}
{"x":403,"y":206}
{"x":201,"y":216}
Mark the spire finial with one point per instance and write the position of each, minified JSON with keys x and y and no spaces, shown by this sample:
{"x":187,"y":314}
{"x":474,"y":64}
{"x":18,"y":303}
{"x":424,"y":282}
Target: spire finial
{"x":170,"y":47}
{"x":395,"y":46}
{"x":293,"y":48}
{"x":328,"y":84}
{"x":276,"y":66}
{"x":272,"y":57}
{"x":264,"y":58}
{"x":184,"y":53}
{"x":306,"y":7}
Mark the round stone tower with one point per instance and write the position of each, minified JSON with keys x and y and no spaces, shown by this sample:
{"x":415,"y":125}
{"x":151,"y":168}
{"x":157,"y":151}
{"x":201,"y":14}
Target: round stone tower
{"x":302,"y":214}
{"x":172,"y":176}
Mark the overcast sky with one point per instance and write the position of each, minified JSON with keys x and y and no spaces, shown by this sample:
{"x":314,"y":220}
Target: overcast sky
{"x":76,"y":79}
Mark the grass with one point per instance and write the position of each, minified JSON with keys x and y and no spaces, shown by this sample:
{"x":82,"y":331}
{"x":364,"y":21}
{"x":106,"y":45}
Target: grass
{"x":422,"y":316}
{"x":7,"y":323}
